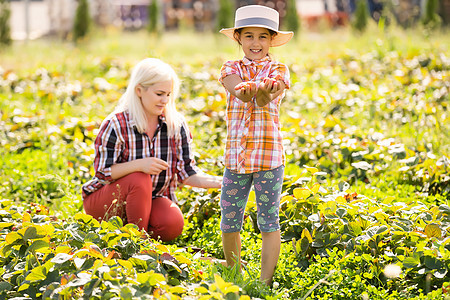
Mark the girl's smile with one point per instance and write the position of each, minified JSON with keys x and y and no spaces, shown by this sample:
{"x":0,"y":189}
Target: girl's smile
{"x":255,"y":42}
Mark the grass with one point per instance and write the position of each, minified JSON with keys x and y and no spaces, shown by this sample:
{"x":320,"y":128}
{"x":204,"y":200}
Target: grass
{"x":52,"y":174}
{"x":190,"y":47}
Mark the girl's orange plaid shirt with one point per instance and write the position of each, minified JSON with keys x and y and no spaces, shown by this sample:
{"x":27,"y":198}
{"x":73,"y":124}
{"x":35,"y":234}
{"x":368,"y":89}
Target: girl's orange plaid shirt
{"x":254,"y":140}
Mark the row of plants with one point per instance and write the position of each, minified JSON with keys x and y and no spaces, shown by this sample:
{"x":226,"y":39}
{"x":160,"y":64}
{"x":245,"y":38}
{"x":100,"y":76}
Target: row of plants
{"x":331,"y":235}
{"x":366,"y":187}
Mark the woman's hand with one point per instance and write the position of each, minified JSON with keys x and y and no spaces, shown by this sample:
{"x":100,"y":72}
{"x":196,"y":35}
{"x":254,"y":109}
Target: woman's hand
{"x":152,"y":165}
{"x":148,"y":165}
{"x":202,"y":180}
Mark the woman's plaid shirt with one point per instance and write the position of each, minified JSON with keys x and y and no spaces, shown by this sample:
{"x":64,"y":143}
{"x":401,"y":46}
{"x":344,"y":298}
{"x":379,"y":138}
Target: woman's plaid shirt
{"x":119,"y":141}
{"x":254,"y":140}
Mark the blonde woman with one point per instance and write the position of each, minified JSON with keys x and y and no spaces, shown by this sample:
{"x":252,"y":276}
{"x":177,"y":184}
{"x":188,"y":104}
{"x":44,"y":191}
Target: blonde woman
{"x":142,"y":149}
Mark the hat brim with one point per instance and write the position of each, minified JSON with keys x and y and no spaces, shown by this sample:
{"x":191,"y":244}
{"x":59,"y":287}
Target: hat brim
{"x":281,"y":38}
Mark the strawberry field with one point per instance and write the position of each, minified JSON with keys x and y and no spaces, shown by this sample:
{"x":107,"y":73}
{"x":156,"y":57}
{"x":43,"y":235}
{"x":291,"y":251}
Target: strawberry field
{"x":365,"y":208}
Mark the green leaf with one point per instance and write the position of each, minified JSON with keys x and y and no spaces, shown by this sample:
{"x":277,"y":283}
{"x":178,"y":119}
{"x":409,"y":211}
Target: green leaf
{"x":382,"y":229}
{"x":151,"y":278}
{"x":444,"y":208}
{"x":32,"y":234}
{"x":343,"y":186}
{"x":440,"y":273}
{"x":304,"y":245}
{"x":37,"y":274}
{"x":411,"y":262}
{"x":341,"y":212}
{"x":355,"y":228}
{"x":5,"y":286}
{"x":83,"y":218}
{"x":172,"y":264}
{"x":39,"y":244}
{"x":433,"y":263}
{"x":79,"y":282}
{"x":61,"y":258}
{"x":116,"y":222}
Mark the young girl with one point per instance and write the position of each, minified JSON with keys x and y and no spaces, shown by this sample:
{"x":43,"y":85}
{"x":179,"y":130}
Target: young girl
{"x":141,"y":150}
{"x":254,"y":151}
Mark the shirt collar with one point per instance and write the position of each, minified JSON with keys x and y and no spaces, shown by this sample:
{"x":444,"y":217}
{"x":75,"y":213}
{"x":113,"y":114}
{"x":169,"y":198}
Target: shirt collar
{"x":257,"y":62}
{"x":161,"y":120}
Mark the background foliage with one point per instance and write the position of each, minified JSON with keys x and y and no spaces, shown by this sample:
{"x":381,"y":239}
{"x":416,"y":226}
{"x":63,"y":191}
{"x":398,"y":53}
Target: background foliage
{"x":366,"y":131}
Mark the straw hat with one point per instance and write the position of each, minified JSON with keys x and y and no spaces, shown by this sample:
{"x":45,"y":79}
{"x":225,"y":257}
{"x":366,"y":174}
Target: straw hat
{"x":259,"y":16}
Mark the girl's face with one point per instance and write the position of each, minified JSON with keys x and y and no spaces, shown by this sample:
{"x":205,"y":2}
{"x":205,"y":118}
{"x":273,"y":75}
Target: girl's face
{"x":255,"y":42}
{"x":155,"y":97}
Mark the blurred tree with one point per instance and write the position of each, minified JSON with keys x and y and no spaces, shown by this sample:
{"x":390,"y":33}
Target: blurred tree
{"x":361,"y":16}
{"x":5,"y":30}
{"x":444,"y":12}
{"x":153,"y":13}
{"x":82,"y":20}
{"x":431,"y":19}
{"x":292,"y":19}
{"x":225,"y":15}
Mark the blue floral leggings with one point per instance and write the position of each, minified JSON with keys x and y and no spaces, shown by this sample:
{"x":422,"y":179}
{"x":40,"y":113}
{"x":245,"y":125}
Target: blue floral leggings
{"x":235,"y":190}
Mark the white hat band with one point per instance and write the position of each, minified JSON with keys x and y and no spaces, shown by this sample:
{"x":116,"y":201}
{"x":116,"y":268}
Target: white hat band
{"x":257,"y":22}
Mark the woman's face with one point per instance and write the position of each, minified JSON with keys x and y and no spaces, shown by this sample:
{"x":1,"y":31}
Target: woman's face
{"x":255,"y":42}
{"x":155,"y":97}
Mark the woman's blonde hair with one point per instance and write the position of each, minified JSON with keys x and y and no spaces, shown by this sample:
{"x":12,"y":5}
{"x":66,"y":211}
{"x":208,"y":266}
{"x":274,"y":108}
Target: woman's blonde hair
{"x":146,"y":73}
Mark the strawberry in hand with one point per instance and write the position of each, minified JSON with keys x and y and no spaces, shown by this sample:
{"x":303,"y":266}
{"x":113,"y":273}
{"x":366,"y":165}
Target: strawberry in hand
{"x":271,"y":85}
{"x":246,"y":88}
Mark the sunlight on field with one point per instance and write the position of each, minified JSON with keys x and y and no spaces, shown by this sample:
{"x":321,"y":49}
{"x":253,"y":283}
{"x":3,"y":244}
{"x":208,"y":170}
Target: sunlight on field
{"x":365,"y":198}
{"x":191,"y":47}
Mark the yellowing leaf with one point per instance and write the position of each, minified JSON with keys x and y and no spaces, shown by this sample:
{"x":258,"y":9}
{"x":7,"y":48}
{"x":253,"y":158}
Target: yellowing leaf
{"x":78,"y":135}
{"x":315,"y":188}
{"x":177,"y":289}
{"x":157,"y":293}
{"x":312,"y":170}
{"x":287,"y":198}
{"x":162,"y":248}
{"x":305,"y":233}
{"x":251,"y":202}
{"x":37,"y":274}
{"x":302,"y":193}
{"x":201,"y":290}
{"x":13,"y":237}
{"x":219,"y":281}
{"x":433,"y":230}
{"x":26,"y":217}
{"x":435,"y":210}
{"x":341,"y":200}
{"x":231,"y":289}
{"x":330,"y":207}
{"x":388,"y":199}
{"x":182,"y":259}
{"x":126,"y":264}
{"x":6,"y":224}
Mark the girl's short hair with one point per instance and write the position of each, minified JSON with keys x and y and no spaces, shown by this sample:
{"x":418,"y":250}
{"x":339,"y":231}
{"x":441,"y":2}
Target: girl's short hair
{"x":146,"y":73}
{"x":237,"y":33}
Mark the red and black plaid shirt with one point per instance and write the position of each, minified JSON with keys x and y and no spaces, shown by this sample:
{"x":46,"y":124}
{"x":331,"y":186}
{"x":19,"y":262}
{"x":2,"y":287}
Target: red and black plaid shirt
{"x":119,"y":141}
